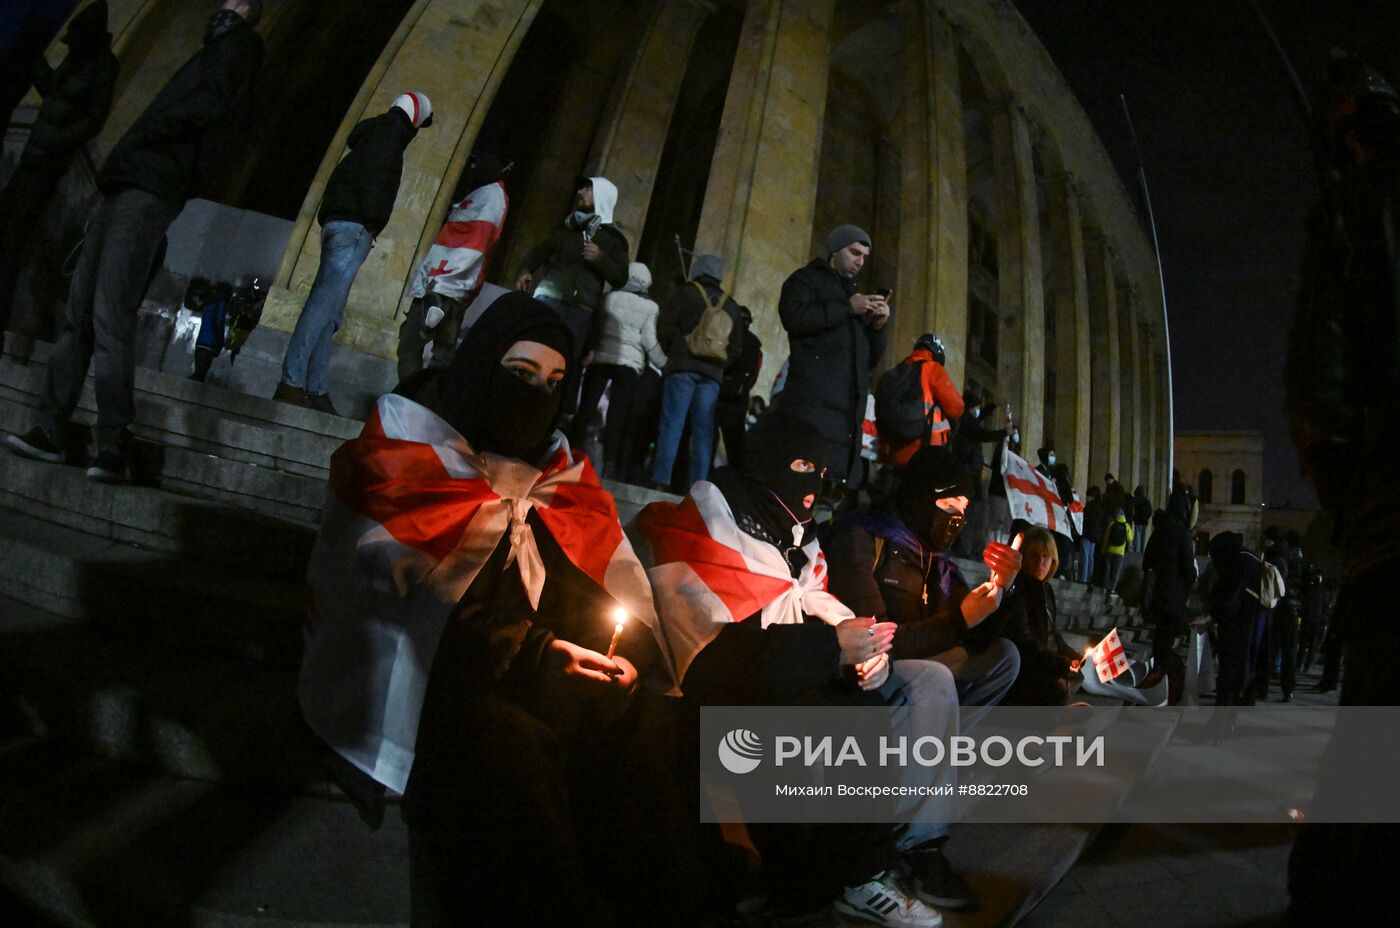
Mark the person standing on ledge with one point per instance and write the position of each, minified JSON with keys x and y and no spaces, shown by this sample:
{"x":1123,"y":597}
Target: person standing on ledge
{"x":165,"y":158}
{"x":837,"y":337}
{"x":358,"y":202}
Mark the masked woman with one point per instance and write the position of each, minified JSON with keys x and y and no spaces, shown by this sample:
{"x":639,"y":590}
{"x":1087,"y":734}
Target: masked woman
{"x":464,"y":581}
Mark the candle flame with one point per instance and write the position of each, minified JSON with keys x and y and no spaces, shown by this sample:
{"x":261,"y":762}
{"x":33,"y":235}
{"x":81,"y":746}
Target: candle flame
{"x":620,"y":616}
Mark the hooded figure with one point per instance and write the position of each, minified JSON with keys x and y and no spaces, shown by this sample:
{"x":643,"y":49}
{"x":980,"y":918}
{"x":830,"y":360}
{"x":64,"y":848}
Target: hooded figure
{"x":584,"y":252}
{"x":465,"y":578}
{"x":627,"y":343}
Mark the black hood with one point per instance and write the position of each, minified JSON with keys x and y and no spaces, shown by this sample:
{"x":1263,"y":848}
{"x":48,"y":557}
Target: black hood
{"x":87,"y":32}
{"x":466,"y":393}
{"x":933,"y":473}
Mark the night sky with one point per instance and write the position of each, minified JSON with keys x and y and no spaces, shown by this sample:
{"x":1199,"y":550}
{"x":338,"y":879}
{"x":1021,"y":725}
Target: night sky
{"x":1230,"y":173}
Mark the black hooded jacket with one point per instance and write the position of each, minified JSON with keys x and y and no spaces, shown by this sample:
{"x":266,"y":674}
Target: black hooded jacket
{"x":77,"y":94}
{"x":173,"y":147}
{"x":365,"y":184}
{"x":832,"y":356}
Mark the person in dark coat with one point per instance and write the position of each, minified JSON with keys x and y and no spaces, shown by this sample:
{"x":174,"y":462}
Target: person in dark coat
{"x":77,"y":98}
{"x":1169,"y":564}
{"x":1241,"y":623}
{"x":1026,"y":618}
{"x":1282,"y":618}
{"x":974,"y":429}
{"x":732,"y":410}
{"x":1142,"y":517}
{"x":167,"y":156}
{"x":567,"y":271}
{"x":1095,"y":524}
{"x":355,"y":208}
{"x":690,"y":388}
{"x":836,"y":337}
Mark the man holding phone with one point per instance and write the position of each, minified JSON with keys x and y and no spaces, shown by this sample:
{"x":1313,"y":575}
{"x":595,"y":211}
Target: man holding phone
{"x":837,"y":337}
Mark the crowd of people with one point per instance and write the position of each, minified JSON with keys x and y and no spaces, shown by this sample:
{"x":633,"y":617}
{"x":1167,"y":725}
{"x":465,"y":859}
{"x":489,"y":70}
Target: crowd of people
{"x":469,"y":557}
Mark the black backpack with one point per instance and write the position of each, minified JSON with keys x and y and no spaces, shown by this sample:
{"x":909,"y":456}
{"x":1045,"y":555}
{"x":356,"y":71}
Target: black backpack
{"x":899,"y":404}
{"x":1117,"y":534}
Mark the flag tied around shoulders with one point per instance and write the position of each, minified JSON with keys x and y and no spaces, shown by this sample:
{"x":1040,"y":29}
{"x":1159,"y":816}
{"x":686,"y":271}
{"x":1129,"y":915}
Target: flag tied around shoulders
{"x":707,"y":573}
{"x":1032,"y":495}
{"x":411,"y":516}
{"x":1109,"y":659}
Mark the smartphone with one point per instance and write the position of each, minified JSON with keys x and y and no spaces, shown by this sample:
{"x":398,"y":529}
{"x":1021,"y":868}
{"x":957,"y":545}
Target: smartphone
{"x":884,"y":293}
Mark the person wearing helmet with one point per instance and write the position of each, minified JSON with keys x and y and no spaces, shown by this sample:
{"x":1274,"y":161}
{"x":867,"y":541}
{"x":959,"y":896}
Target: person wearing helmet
{"x":356,"y":207}
{"x":938,"y":396}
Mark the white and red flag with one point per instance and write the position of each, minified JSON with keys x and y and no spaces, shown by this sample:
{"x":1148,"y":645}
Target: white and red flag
{"x":706,"y":573}
{"x":457,"y":259}
{"x":1032,"y":495}
{"x":1076,"y":511}
{"x":1108,"y":656}
{"x":411,"y":516}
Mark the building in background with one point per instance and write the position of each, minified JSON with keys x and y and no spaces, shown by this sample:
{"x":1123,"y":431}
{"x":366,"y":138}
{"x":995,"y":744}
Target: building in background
{"x":1226,"y":470}
{"x":748,"y":129}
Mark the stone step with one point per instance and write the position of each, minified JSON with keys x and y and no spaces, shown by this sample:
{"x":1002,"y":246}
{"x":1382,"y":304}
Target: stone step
{"x":152,"y":597}
{"x":92,"y":842}
{"x":202,"y":717}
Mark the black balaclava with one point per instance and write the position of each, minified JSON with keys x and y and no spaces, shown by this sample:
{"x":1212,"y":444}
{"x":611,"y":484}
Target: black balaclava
{"x":490,"y":406}
{"x":482,"y":168}
{"x":777,"y":491}
{"x":87,"y":33}
{"x":932,"y":474}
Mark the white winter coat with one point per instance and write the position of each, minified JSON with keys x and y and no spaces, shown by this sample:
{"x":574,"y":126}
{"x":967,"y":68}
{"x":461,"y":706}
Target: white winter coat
{"x":627,"y":331}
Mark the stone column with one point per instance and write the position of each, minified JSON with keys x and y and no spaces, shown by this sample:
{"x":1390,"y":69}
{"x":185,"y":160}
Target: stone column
{"x":931,"y":289}
{"x":1107,"y":396}
{"x":763,"y":177}
{"x":1129,"y":305}
{"x":1069,"y":283}
{"x":1022,"y":310}
{"x":455,"y":51}
{"x":627,"y":148}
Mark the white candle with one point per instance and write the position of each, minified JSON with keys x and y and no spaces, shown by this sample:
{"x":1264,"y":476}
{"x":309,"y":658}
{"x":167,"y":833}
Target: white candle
{"x":620,"y":617}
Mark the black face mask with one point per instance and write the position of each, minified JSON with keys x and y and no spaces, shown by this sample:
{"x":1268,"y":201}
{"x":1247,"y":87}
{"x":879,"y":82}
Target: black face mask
{"x":518,"y":418}
{"x":945,"y":528}
{"x":219,"y":23}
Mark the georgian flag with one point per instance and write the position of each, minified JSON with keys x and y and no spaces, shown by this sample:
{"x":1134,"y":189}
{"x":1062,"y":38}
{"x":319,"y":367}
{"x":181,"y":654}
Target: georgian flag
{"x":1032,"y":495}
{"x":457,"y":259}
{"x":1076,"y":511}
{"x":411,"y":516}
{"x":706,"y":572}
{"x":1108,"y":657}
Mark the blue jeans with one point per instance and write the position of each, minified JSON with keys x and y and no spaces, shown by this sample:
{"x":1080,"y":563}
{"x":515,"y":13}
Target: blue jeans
{"x":929,"y":687}
{"x":344,"y":247}
{"x":686,"y":395}
{"x":982,"y":676}
{"x":1087,"y":574}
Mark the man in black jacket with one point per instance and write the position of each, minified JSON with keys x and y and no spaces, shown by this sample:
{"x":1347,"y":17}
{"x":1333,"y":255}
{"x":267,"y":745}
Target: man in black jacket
{"x":691,"y":386}
{"x":567,"y":271}
{"x":357,"y":204}
{"x":837,"y":337}
{"x":77,"y":98}
{"x":1169,"y":563}
{"x":732,"y":410}
{"x":165,"y":158}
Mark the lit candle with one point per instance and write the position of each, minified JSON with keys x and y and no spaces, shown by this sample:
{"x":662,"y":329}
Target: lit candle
{"x":1015,"y":546}
{"x":620,"y":617}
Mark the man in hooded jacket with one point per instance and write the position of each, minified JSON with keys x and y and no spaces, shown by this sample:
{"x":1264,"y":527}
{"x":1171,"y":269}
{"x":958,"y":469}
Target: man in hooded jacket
{"x":568,"y":269}
{"x":165,"y":158}
{"x":357,"y":204}
{"x":836,"y":336}
{"x":77,"y":98}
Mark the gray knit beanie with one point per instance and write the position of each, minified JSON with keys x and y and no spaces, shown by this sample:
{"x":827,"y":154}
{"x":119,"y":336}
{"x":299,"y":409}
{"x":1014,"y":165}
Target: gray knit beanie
{"x":843,"y":235}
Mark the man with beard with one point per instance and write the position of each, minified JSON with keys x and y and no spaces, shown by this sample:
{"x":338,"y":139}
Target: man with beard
{"x":568,"y":269}
{"x":895,"y":564}
{"x":164,"y":159}
{"x":464,"y":582}
{"x":837,"y":337}
{"x":739,"y":577}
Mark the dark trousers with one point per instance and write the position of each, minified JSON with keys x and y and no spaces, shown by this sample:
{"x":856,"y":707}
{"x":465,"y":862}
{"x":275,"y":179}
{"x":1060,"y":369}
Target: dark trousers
{"x":731,"y":418}
{"x":616,"y":431}
{"x":99,"y":323}
{"x":1283,"y":645}
{"x":413,"y":337}
{"x":21,"y":204}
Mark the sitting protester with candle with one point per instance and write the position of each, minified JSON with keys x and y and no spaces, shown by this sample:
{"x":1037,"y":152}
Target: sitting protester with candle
{"x":739,"y":579}
{"x":1026,"y":618}
{"x":465,"y":582}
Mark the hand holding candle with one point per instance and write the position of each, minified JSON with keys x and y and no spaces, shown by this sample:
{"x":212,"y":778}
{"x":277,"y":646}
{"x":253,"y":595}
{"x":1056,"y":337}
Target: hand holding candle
{"x":1004,"y":561}
{"x":620,"y":617}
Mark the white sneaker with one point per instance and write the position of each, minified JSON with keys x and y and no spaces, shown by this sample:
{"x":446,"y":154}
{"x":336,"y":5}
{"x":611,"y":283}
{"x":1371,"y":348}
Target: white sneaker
{"x":882,"y":901}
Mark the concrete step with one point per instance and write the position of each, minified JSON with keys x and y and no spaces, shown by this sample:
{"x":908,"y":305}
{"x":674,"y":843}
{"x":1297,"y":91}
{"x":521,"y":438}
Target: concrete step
{"x":94,"y":843}
{"x":199,"y":716}
{"x":171,"y":599}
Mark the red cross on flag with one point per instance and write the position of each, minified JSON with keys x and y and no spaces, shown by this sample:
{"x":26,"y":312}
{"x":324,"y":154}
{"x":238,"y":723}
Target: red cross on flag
{"x":1032,"y":495}
{"x":1108,"y":656}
